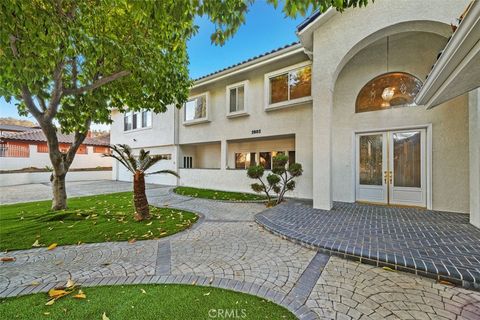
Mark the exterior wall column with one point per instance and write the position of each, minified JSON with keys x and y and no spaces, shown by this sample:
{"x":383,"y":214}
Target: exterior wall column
{"x":322,"y":140}
{"x":474,"y":151}
{"x":223,"y":154}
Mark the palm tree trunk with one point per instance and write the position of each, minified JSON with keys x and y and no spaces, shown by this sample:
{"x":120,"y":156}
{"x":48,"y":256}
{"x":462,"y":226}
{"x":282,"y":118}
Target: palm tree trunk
{"x":139,"y":197}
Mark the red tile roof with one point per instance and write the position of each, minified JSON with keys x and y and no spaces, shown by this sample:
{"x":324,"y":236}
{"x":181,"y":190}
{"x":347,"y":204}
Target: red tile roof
{"x":38,"y":136}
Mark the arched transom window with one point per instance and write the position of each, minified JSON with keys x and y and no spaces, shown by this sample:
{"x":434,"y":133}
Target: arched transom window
{"x":388,"y":90}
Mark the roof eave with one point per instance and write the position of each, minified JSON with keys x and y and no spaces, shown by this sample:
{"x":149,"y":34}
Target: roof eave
{"x":457,"y":49}
{"x":269,"y":58}
{"x":305,"y":34}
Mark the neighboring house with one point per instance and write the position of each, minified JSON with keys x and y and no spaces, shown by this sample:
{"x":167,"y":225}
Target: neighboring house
{"x":351,"y":102}
{"x":6,"y":129}
{"x":28,"y":148}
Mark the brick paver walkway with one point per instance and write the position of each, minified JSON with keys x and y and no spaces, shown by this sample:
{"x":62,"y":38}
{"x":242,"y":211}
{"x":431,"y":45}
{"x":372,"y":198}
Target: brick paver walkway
{"x":442,"y":245}
{"x":227,"y":249}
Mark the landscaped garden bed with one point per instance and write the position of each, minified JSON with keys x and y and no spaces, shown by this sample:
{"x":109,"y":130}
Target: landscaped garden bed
{"x":89,"y":219}
{"x":217,"y":194}
{"x":144,"y":302}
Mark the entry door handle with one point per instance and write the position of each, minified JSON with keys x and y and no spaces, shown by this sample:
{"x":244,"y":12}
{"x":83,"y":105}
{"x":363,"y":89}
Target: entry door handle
{"x":390,"y":176}
{"x":385,"y":176}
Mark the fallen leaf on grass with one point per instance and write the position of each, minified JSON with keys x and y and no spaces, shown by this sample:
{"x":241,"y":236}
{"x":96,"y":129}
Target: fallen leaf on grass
{"x":131,"y":241}
{"x":50,"y":302}
{"x":36,"y":244}
{"x":194,"y":283}
{"x":104,"y":316}
{"x":7,"y":259}
{"x":149,"y":224}
{"x":445,"y":282}
{"x":143,"y":291}
{"x":52,"y":246}
{"x":210,"y":281}
{"x":80,"y":295}
{"x":206,"y":294}
{"x":55,"y":293}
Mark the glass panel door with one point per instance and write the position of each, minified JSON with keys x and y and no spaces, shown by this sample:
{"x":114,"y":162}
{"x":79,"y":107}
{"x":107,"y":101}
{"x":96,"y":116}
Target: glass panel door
{"x":371,"y":167}
{"x":407,"y":168}
{"x":407,"y":159}
{"x":390,"y":167}
{"x":371,"y":162}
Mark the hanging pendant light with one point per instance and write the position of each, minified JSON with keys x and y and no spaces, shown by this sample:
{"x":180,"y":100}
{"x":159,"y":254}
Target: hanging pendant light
{"x":388,"y":92}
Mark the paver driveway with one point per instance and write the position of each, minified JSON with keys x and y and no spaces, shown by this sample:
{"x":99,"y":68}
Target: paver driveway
{"x":227,"y":249}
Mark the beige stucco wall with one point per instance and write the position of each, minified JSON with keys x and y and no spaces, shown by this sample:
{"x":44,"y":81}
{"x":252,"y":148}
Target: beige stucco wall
{"x":293,"y":120}
{"x":336,"y":41}
{"x":413,"y":53}
{"x":474,"y":128}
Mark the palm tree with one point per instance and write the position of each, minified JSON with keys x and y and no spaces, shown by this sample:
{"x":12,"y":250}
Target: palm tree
{"x":138,"y":166}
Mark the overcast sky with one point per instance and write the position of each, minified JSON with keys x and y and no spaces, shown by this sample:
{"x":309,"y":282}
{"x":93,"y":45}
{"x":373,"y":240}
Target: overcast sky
{"x":266,"y":28}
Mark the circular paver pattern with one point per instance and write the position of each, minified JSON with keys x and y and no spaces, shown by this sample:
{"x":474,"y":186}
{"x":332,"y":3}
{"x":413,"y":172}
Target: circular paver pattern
{"x":227,"y":249}
{"x":350,"y":290}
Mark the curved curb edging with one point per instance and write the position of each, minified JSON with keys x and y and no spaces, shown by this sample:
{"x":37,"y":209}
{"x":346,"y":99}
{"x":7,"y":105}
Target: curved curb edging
{"x":300,"y":310}
{"x":354,"y":254}
{"x":171,"y":191}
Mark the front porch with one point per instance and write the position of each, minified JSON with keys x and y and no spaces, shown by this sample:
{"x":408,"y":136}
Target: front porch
{"x":437,"y":244}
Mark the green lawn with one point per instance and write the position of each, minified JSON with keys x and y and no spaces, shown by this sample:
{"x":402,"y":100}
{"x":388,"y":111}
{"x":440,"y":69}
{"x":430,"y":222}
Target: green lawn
{"x":89,"y":219}
{"x":155,"y":302}
{"x":217,"y":194}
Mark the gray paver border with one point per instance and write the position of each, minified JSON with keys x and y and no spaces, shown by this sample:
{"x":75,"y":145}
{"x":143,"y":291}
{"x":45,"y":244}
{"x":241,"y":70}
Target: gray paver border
{"x":297,"y":307}
{"x":355,"y":255}
{"x":170,"y":191}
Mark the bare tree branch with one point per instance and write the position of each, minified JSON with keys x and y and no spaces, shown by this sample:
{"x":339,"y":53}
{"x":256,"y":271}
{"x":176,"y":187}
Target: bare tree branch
{"x":102,"y":81}
{"x":13,"y":45}
{"x":41,"y":102}
{"x":57,"y":91}
{"x":78,"y":139}
{"x":32,"y":108}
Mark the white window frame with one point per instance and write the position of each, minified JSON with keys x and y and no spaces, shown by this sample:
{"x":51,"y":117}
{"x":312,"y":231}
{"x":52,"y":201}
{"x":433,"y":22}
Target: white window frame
{"x":283,"y":104}
{"x":207,"y":110}
{"x":139,"y":120}
{"x":239,"y":113}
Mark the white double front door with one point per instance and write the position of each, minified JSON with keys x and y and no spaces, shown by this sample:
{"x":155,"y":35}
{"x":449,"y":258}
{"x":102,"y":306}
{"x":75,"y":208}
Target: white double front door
{"x":391,"y":167}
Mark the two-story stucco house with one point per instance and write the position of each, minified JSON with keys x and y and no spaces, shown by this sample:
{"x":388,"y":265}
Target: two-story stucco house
{"x":356,"y":102}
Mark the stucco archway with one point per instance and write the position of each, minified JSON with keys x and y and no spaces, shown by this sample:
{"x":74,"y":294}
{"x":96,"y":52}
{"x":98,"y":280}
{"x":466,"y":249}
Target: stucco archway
{"x":332,"y":49}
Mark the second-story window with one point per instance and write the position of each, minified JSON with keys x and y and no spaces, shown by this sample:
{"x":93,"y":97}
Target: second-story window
{"x":237,"y":100}
{"x":146,"y":118}
{"x":196,"y":108}
{"x":127,"y":121}
{"x":137,"y":119}
{"x":287,"y":86}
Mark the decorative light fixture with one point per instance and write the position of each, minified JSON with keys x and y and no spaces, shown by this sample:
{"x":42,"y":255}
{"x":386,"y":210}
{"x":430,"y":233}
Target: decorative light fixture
{"x":388,"y":92}
{"x":387,"y":95}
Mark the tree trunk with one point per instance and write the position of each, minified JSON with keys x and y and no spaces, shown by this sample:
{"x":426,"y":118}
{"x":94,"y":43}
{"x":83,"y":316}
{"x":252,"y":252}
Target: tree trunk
{"x":59,"y":201}
{"x":142,"y":212}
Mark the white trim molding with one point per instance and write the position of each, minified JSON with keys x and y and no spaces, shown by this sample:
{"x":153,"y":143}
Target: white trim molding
{"x":246,"y":100}
{"x":288,"y":103}
{"x":462,"y":48}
